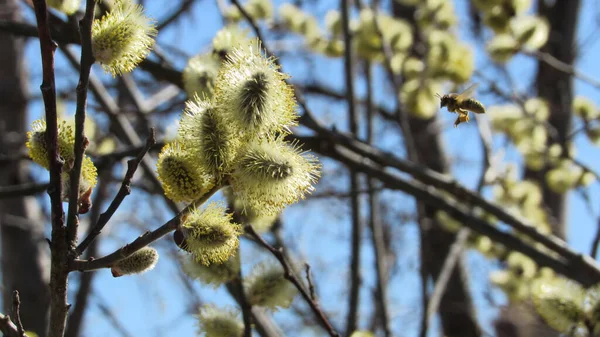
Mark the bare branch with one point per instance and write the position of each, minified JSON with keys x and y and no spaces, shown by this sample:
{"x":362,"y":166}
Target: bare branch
{"x":8,"y":328}
{"x":141,"y":242}
{"x":17,"y":312}
{"x":289,"y":275}
{"x":124,"y":191}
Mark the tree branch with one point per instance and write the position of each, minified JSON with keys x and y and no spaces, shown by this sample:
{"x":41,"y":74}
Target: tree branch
{"x":17,"y":312}
{"x":141,"y":242}
{"x":290,"y":275}
{"x":58,"y":247}
{"x":124,"y":191}
{"x":8,"y":328}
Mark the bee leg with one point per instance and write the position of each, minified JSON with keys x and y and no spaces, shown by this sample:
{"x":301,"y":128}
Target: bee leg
{"x":457,"y":121}
{"x":464,"y":116}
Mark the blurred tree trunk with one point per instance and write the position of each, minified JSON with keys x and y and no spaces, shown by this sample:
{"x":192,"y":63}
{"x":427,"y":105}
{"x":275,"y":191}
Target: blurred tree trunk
{"x":556,"y":87}
{"x":21,"y":228}
{"x":456,"y":309}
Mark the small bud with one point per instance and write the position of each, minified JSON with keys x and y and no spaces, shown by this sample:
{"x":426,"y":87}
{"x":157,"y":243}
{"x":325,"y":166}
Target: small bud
{"x":215,"y":322}
{"x":585,"y":108}
{"x":68,"y":7}
{"x":214,"y":274}
{"x":122,"y":38}
{"x":87,"y":182}
{"x":271,"y":174}
{"x":521,"y":265}
{"x":139,"y":262}
{"x":333,"y":22}
{"x":182,"y":178}
{"x":266,"y":286}
{"x":497,"y":18}
{"x":199,"y":75}
{"x":38,"y":149}
{"x":260,"y":9}
{"x":502,"y":47}
{"x":210,"y":234}
{"x":363,"y":333}
{"x":227,"y":39}
{"x":254,"y":94}
{"x":420,"y":98}
{"x":530,"y":31}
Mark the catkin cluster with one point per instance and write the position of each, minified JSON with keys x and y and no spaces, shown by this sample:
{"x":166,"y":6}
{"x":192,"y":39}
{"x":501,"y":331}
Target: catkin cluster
{"x":234,"y":133}
{"x":38,"y":151}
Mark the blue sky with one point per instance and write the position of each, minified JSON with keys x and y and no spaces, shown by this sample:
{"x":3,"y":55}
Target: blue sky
{"x":152,"y":302}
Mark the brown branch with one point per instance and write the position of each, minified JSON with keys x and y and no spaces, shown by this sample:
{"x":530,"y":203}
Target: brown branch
{"x":18,"y":191}
{"x":58,"y":247}
{"x":17,"y":312}
{"x":375,"y":224}
{"x":564,"y":67}
{"x":141,"y":242}
{"x":124,"y":191}
{"x":311,"y":286}
{"x":77,"y":205}
{"x":8,"y":328}
{"x":290,"y":276}
{"x":183,"y":7}
{"x":355,"y":279}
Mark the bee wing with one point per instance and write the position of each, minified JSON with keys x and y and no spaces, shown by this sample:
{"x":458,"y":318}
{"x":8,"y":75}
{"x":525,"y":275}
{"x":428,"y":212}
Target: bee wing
{"x":467,"y":93}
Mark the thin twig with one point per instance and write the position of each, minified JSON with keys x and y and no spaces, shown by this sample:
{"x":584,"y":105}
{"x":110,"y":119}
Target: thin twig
{"x":8,"y":328}
{"x":563,"y":67}
{"x":311,"y":286}
{"x":141,"y":242}
{"x":124,"y":191}
{"x":80,"y":204}
{"x":377,"y":235}
{"x":17,"y":312}
{"x":289,"y":275}
{"x":183,"y":7}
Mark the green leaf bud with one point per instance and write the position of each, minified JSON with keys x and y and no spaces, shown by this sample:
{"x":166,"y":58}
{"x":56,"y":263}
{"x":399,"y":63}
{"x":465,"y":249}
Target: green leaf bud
{"x":397,"y":62}
{"x":530,"y":31}
{"x":559,"y":302}
{"x":259,"y":9}
{"x":413,"y":67}
{"x":564,"y":177}
{"x":215,"y":274}
{"x":199,"y":75}
{"x":253,"y":93}
{"x":521,"y":265}
{"x":271,"y":174}
{"x":502,"y":47}
{"x":447,"y":222}
{"x":232,"y":14}
{"x":181,"y":176}
{"x":216,"y":322}
{"x":419,"y":97}
{"x":228,"y":38}
{"x":267,"y":287}
{"x":333,"y":22}
{"x":210,"y":235}
{"x":38,"y":148}
{"x":497,"y":18}
{"x":139,"y":262}
{"x":519,"y":6}
{"x":585,"y":108}
{"x":538,"y":108}
{"x":208,"y":137}
{"x":68,"y":7}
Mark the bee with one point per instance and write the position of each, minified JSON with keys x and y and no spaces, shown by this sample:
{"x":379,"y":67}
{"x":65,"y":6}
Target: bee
{"x":461,"y":104}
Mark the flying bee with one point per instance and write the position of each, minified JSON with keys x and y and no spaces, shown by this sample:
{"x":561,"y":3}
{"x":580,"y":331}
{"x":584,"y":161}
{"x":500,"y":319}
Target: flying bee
{"x":461,"y":104}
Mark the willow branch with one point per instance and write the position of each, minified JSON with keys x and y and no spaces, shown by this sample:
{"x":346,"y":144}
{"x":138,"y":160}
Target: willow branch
{"x":124,"y":191}
{"x":141,"y":242}
{"x":290,"y":276}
